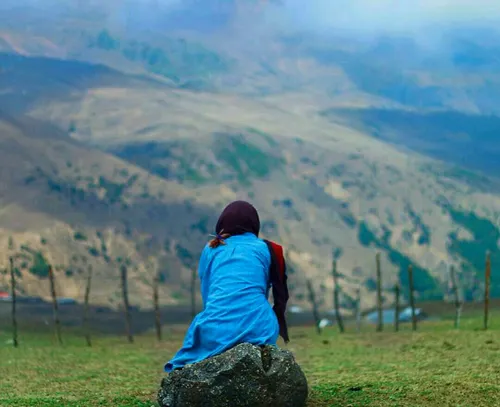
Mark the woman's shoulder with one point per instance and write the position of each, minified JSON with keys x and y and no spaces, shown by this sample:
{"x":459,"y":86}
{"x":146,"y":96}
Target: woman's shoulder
{"x":248,"y":246}
{"x":248,"y":240}
{"x":262,"y":243}
{"x":260,"y":246}
{"x":252,"y":240}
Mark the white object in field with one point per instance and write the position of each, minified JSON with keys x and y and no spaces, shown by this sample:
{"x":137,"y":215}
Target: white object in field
{"x":295,"y":309}
{"x":389,"y":314}
{"x":324,"y":323}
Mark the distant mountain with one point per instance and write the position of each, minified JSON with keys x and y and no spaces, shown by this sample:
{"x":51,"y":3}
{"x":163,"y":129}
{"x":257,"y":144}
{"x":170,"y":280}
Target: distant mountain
{"x":126,"y":127}
{"x":469,"y":141}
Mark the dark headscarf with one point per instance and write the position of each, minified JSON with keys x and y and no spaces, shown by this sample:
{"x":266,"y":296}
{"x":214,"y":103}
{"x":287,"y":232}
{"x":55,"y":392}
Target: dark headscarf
{"x":237,"y":218}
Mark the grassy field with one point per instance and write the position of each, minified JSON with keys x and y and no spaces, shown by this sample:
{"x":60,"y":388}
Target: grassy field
{"x":434,"y":366}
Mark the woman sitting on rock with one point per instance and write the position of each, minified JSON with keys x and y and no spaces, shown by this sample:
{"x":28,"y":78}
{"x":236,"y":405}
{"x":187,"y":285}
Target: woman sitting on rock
{"x":236,"y":270}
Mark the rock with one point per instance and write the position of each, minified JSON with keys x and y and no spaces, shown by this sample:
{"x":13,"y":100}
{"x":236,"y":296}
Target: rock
{"x":245,"y":376}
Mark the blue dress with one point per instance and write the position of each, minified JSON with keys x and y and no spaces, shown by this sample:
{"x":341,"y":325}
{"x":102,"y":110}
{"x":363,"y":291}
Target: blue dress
{"x":234,"y":288}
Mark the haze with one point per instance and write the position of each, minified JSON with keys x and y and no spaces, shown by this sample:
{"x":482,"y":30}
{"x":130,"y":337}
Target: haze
{"x":366,"y":17}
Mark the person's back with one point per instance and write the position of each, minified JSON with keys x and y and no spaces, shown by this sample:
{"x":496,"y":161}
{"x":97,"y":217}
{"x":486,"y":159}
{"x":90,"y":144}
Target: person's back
{"x":234,"y":274}
{"x":235,"y":282}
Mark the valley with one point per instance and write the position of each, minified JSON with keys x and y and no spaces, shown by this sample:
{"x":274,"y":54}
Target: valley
{"x":123,"y":151}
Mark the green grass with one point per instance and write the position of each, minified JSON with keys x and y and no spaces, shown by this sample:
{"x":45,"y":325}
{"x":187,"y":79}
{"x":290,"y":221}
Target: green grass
{"x":425,"y":284}
{"x":472,"y":252}
{"x":177,"y":59}
{"x":436,"y":366}
{"x":246,"y":160}
{"x":169,"y":160}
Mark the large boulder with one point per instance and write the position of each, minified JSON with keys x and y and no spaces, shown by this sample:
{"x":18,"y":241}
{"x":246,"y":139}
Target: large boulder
{"x":245,"y":376}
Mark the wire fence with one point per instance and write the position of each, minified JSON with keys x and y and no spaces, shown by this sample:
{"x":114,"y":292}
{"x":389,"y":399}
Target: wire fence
{"x":404,"y":308}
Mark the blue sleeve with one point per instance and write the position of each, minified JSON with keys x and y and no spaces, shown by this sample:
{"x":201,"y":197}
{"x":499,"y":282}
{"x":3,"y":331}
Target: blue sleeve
{"x":265,"y":259}
{"x":202,"y":263}
{"x":202,"y":273}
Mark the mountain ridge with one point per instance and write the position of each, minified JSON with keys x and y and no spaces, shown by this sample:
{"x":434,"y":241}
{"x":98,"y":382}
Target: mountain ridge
{"x":134,"y":150}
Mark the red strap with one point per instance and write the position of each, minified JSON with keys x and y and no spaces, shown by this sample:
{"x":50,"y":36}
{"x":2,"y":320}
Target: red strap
{"x":278,"y":250}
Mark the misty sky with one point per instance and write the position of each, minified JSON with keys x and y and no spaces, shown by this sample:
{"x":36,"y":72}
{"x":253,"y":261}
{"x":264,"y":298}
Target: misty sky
{"x":392,"y":15}
{"x":361,"y":17}
{"x":375,"y":14}
{"x":366,"y":17}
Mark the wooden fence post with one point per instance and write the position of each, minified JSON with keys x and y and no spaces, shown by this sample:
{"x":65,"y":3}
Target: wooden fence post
{"x":487,"y":278}
{"x":156,"y":303}
{"x":314,"y":304}
{"x":412,"y":297}
{"x":397,"y":293}
{"x":194,"y":274}
{"x":358,"y":310}
{"x":14,"y":300}
{"x":126,"y":303}
{"x":336,"y":292}
{"x":55,"y":305}
{"x":380,"y":321}
{"x":458,"y":304}
{"x":86,"y":325}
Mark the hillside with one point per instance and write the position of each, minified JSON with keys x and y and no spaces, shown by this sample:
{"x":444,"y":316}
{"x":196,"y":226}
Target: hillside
{"x":62,"y":201}
{"x":124,"y":151}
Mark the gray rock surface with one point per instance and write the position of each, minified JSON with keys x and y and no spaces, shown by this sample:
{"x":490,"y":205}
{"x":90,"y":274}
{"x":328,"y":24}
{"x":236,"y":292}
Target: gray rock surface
{"x":245,"y":376}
